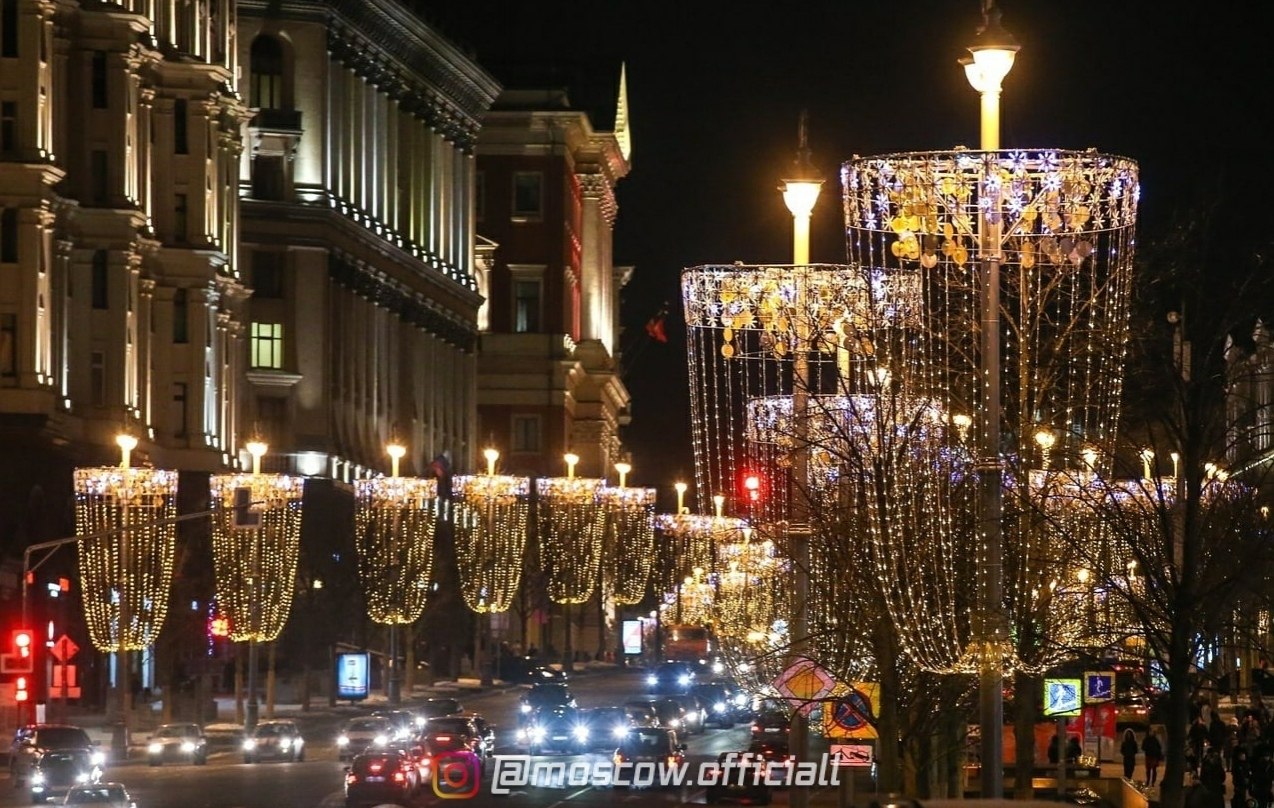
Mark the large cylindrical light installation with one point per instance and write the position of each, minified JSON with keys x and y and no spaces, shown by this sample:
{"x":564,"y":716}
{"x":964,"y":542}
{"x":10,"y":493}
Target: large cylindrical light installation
{"x":126,"y":570}
{"x":571,"y":522}
{"x":395,"y":522}
{"x":629,"y":539}
{"x":255,"y":549}
{"x":491,"y":519}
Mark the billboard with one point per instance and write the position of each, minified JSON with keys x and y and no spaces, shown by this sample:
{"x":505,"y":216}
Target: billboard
{"x":632,"y":637}
{"x":353,"y":676}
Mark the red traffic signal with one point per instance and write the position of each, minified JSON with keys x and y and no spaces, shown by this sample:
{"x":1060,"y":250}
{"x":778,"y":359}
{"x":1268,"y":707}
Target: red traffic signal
{"x":20,"y":692}
{"x":20,"y":656}
{"x":22,"y":640}
{"x":753,"y":487}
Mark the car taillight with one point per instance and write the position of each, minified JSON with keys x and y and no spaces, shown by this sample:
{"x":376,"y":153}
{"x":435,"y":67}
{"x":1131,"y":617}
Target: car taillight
{"x":400,"y":777}
{"x":672,"y":760}
{"x":375,"y":767}
{"x":351,"y":779}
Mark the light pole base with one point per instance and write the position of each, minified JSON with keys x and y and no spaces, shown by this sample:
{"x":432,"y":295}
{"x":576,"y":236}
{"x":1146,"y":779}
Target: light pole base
{"x":119,"y":740}
{"x":250,"y":714}
{"x":395,"y":694}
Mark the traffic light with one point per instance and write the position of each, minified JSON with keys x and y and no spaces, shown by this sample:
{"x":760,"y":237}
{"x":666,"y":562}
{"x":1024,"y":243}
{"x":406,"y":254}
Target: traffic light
{"x":20,"y":657}
{"x":753,"y":487}
{"x":20,"y":692}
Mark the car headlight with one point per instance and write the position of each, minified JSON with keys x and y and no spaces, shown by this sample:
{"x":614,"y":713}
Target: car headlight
{"x":250,"y":744}
{"x":155,"y":748}
{"x":652,"y":679}
{"x":285,"y":743}
{"x":719,"y":707}
{"x":37,"y":778}
{"x":717,"y":667}
{"x":619,"y":731}
{"x":580,"y":733}
{"x":342,"y":740}
{"x":537,"y":734}
{"x":380,"y":740}
{"x":740,"y":700}
{"x":188,"y":746}
{"x":674,"y":723}
{"x":683,"y":679}
{"x":526,"y":708}
{"x":98,"y":758}
{"x":420,"y":722}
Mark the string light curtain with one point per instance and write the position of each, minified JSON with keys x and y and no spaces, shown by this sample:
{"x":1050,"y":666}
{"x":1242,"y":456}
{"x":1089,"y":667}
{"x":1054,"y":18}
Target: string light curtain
{"x":571,"y":522}
{"x":114,"y":499}
{"x":750,"y":609}
{"x":395,"y":522}
{"x":256,"y":567}
{"x":490,"y":515}
{"x":628,"y":553}
{"x":686,"y":541}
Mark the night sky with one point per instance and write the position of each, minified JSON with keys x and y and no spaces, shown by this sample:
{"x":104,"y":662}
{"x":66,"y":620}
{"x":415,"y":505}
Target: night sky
{"x":715,"y":91}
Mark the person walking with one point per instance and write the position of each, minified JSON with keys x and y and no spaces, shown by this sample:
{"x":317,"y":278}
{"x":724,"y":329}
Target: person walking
{"x":1241,"y":776}
{"x":1262,"y":778}
{"x":1212,"y":776}
{"x":1152,"y":747}
{"x":1129,"y":749}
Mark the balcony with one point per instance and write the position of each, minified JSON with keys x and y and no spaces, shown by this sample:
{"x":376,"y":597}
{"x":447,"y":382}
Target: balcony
{"x":277,"y":121}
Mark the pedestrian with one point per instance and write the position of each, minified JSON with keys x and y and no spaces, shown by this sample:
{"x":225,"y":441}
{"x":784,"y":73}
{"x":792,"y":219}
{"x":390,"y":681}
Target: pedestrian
{"x":1053,"y":749}
{"x":1241,"y":775}
{"x":1212,"y":775}
{"x":1219,"y":737}
{"x":1073,"y":750}
{"x":1262,"y":778}
{"x":1153,"y":749}
{"x":1129,"y":751}
{"x":1196,"y":738}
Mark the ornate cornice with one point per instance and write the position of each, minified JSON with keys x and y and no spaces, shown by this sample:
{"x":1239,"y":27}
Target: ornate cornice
{"x":595,"y":185}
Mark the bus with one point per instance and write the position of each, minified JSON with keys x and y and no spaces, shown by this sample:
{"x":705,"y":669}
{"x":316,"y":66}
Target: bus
{"x":686,"y":643}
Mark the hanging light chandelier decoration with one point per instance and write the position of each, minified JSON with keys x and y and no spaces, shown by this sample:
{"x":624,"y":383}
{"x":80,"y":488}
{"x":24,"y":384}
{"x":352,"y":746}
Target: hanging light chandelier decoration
{"x":395,"y":522}
{"x":694,"y":599}
{"x":687,"y":540}
{"x":571,"y":523}
{"x":490,"y":533}
{"x":255,"y":567}
{"x":628,"y":553}
{"x":126,"y":574}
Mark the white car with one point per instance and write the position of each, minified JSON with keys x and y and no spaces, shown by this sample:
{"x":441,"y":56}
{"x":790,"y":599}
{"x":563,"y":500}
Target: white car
{"x":113,"y":795}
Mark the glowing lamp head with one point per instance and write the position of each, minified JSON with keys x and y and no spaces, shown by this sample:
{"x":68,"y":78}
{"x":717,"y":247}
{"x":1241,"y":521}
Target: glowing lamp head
{"x":126,"y":442}
{"x":396,"y":451}
{"x":800,"y":196}
{"x":993,"y":51}
{"x":257,"y":449}
{"x":491,"y":455}
{"x":1082,"y":575}
{"x":1045,"y":439}
{"x":680,"y":488}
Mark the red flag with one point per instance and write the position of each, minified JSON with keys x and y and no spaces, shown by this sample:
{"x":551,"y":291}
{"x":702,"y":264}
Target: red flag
{"x":655,"y":329}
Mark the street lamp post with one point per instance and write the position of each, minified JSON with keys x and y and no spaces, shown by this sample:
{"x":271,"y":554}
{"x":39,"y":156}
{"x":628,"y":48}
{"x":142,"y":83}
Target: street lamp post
{"x":123,"y":680}
{"x":800,"y":192}
{"x":257,"y":449}
{"x":993,"y":51}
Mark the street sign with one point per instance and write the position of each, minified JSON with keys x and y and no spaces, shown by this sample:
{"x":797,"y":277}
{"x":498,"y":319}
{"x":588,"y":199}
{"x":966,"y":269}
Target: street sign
{"x":804,"y":682}
{"x":64,"y":649}
{"x":852,"y":755}
{"x":1099,"y":686}
{"x":65,"y":684}
{"x":852,"y":715}
{"x":1062,"y":697}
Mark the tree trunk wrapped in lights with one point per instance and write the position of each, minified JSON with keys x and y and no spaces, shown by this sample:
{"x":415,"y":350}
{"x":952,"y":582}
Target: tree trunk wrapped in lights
{"x":491,"y":520}
{"x":628,"y":553}
{"x":395,"y":523}
{"x":128,"y":570}
{"x":571,"y":523}
{"x":256,"y":567}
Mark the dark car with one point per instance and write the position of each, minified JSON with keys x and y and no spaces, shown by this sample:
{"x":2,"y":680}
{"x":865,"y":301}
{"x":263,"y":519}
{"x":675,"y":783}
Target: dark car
{"x":641,"y":713}
{"x":59,"y":770}
{"x":719,"y":701}
{"x":32,"y":741}
{"x":177,"y":742}
{"x":453,"y":732}
{"x":656,"y":746}
{"x":671,"y":714}
{"x":556,"y":729}
{"x":771,"y":722}
{"x":524,"y":670}
{"x":403,"y":723}
{"x":113,"y":795}
{"x":359,"y":735}
{"x":274,"y":740}
{"x":544,"y":696}
{"x":671,"y":678}
{"x":605,"y":726}
{"x":774,"y":756}
{"x":378,"y":778}
{"x":436,"y":708}
{"x":694,"y":716}
{"x":738,"y":777}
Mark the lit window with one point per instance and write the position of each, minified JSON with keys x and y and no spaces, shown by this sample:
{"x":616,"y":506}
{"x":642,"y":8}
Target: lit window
{"x":267,"y":345}
{"x":266,"y":69}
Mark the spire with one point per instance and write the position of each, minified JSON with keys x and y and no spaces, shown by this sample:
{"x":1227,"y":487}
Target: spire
{"x":622,"y":133}
{"x":802,"y":167}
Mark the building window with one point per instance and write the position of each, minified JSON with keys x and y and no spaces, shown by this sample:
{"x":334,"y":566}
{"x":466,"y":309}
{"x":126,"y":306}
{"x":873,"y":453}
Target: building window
{"x":479,"y":196}
{"x":526,"y":433}
{"x":272,"y":412}
{"x":267,"y":274}
{"x":99,"y":280}
{"x":179,"y":409}
{"x":181,"y":142}
{"x":8,"y":126}
{"x":181,"y":317}
{"x":9,"y":235}
{"x":97,"y":378}
{"x":266,"y":65}
{"x":267,"y":177}
{"x":8,"y":345}
{"x":267,"y":345}
{"x":181,"y":217}
{"x":526,"y":306}
{"x":527,"y":194}
{"x":98,"y":176}
{"x":8,"y":27}
{"x":100,"y":95}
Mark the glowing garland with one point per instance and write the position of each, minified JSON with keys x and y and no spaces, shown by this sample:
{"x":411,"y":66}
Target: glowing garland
{"x":629,"y":545}
{"x":256,"y":567}
{"x":111,"y":499}
{"x":571,"y":523}
{"x":686,"y":541}
{"x":491,"y":521}
{"x":395,"y":521}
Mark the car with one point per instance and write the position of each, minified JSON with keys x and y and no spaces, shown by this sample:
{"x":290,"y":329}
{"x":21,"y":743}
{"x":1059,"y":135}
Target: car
{"x":695,"y":715}
{"x":59,"y":770}
{"x":641,"y":713}
{"x":32,"y":741}
{"x":720,"y":703}
{"x":771,"y":721}
{"x":544,"y":695}
{"x":359,"y":735}
{"x":275,"y":739}
{"x":606,"y":726}
{"x":177,"y":742}
{"x":656,"y":746}
{"x":671,"y":678}
{"x":378,"y":778}
{"x":403,"y":722}
{"x":453,"y":732}
{"x":436,"y":708}
{"x":774,"y":756}
{"x":113,"y":795}
{"x":671,"y":714}
{"x":738,"y":777}
{"x":555,"y":729}
{"x":524,"y":670}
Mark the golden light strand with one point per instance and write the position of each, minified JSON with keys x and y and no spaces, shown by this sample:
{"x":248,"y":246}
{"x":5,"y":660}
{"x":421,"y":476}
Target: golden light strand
{"x":629,"y":542}
{"x":491,"y":521}
{"x":571,"y":523}
{"x":395,"y":522}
